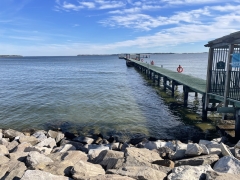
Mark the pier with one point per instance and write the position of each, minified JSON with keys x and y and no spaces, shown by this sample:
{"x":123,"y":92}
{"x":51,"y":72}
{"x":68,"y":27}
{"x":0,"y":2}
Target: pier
{"x":221,"y":89}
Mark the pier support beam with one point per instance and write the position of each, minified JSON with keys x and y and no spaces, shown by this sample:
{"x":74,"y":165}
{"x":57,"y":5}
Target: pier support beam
{"x":237,"y":125}
{"x":185,"y":98}
{"x":204,"y":107}
{"x":164,"y":83}
{"x":173,"y":89}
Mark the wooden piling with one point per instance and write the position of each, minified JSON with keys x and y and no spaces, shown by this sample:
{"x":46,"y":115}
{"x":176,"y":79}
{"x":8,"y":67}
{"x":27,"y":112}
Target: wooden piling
{"x":185,"y":92}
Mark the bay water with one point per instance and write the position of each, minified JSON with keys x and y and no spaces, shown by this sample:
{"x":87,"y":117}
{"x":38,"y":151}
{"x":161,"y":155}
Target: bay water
{"x":98,"y":94}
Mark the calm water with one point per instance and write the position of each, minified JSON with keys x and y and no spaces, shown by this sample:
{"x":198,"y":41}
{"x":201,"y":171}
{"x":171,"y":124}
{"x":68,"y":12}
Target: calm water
{"x":92,"y":94}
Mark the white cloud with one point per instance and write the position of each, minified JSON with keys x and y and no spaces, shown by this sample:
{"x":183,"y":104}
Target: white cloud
{"x":185,"y":2}
{"x":88,"y":4}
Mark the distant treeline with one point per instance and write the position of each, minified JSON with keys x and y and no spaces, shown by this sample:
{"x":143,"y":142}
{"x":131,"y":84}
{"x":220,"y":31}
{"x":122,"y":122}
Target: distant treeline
{"x":10,"y":56}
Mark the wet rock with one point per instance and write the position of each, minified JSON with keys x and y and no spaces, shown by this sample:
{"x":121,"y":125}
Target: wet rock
{"x":32,"y":174}
{"x":83,"y":170}
{"x":136,"y":141}
{"x":140,"y":157}
{"x":3,"y":169}
{"x":66,"y":147}
{"x":138,"y":172}
{"x":213,"y":175}
{"x":49,"y":143}
{"x":193,"y":150}
{"x":40,"y":135}
{"x":110,"y":159}
{"x":111,"y":139}
{"x":164,"y":162}
{"x":185,"y":172}
{"x":69,"y":135}
{"x":225,"y":151}
{"x":84,"y":140}
{"x":12,"y":146}
{"x":10,"y":133}
{"x":197,"y":161}
{"x":3,"y":150}
{"x":15,"y":171}
{"x":29,"y":139}
{"x":34,"y":158}
{"x":227,"y":164}
{"x":3,"y":159}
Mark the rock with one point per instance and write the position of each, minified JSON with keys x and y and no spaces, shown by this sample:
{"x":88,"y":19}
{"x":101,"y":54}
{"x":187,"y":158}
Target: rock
{"x":237,"y":145}
{"x":1,"y":135}
{"x":41,"y":175}
{"x":21,"y":147}
{"x":237,"y":153}
{"x":152,"y":145}
{"x":82,"y":170}
{"x":3,"y":159}
{"x":197,"y":161}
{"x":140,"y":157}
{"x":165,"y":152}
{"x":164,"y":162}
{"x":170,"y":144}
{"x":12,"y":146}
{"x":40,"y":135}
{"x":20,"y":156}
{"x":135,"y":141}
{"x":138,"y":172}
{"x":58,"y":136}
{"x":225,"y":151}
{"x":93,"y":147}
{"x":227,"y":164}
{"x":4,"y":141}
{"x":10,"y":133}
{"x":15,"y":171}
{"x":49,"y":143}
{"x":66,"y":147}
{"x":29,"y":139}
{"x":77,"y":145}
{"x":34,"y":158}
{"x":205,"y":150}
{"x":213,"y":175}
{"x":69,"y":135}
{"x":217,"y":151}
{"x":110,"y":177}
{"x":85,"y":140}
{"x":93,"y":153}
{"x":3,"y":150}
{"x":185,"y":172}
{"x":124,"y":146}
{"x":110,"y":159}
{"x":180,"y":152}
{"x":114,"y":146}
{"x":3,"y":169}
{"x":193,"y":150}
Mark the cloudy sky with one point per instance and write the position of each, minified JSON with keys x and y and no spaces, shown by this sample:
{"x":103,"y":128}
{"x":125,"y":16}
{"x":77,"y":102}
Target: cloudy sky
{"x":71,"y":27}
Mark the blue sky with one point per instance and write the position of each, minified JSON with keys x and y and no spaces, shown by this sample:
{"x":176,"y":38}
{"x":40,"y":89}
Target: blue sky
{"x":71,"y":27}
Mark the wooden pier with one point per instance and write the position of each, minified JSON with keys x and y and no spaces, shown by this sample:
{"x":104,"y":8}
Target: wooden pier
{"x":220,"y":91}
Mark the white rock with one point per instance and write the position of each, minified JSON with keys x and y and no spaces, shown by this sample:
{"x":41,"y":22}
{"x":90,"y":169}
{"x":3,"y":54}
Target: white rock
{"x":49,"y":142}
{"x":41,"y":175}
{"x":217,"y":151}
{"x":180,"y":152}
{"x":151,"y":145}
{"x":205,"y":149}
{"x":193,"y":150}
{"x":227,"y":164}
{"x":225,"y":150}
{"x":189,"y":172}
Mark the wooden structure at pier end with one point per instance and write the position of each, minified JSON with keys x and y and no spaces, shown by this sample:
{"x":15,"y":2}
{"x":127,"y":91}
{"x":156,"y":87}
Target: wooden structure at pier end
{"x":223,"y":76}
{"x":221,"y":89}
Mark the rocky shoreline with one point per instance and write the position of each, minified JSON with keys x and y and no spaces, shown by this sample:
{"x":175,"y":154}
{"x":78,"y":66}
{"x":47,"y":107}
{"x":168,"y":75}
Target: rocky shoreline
{"x":39,"y":154}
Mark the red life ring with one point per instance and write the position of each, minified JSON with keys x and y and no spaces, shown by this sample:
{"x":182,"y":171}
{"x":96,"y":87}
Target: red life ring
{"x":179,"y":69}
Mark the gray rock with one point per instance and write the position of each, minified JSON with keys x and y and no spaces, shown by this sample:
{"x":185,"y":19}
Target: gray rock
{"x":66,"y":147}
{"x":10,"y":133}
{"x":82,"y":170}
{"x":197,"y":161}
{"x":165,"y":152}
{"x":29,"y":139}
{"x":213,"y":175}
{"x":193,"y":150}
{"x":227,"y":164}
{"x":152,"y":145}
{"x":138,"y":172}
{"x":217,"y":151}
{"x":85,"y":140}
{"x":77,"y":145}
{"x":124,"y":146}
{"x":34,"y":158}
{"x":12,"y":146}
{"x":58,"y":136}
{"x":20,"y":156}
{"x":237,"y":145}
{"x":3,"y":169}
{"x":185,"y":172}
{"x":3,"y":159}
{"x":110,"y":159}
{"x":225,"y":150}
{"x":21,"y":147}
{"x":49,"y":143}
{"x":40,"y":135}
{"x":165,"y":162}
{"x":237,"y":153}
{"x":3,"y":150}
{"x":93,"y":147}
{"x":15,"y":171}
{"x":41,"y":175}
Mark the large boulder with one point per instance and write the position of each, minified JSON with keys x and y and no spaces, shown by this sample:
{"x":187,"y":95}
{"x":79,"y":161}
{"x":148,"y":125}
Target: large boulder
{"x":110,"y":159}
{"x":41,"y":175}
{"x":225,"y":150}
{"x":140,"y":157}
{"x":82,"y":170}
{"x":139,"y":172}
{"x":10,"y":133}
{"x":193,"y":150}
{"x":185,"y":172}
{"x":213,"y":175}
{"x":180,"y":152}
{"x":227,"y":164}
{"x":34,"y":158}
{"x":197,"y":161}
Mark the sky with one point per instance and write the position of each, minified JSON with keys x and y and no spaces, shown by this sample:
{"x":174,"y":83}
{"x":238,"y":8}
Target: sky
{"x":72,"y":27}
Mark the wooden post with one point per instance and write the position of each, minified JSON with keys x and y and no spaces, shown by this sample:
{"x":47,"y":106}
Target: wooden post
{"x":185,"y":92}
{"x":196,"y":94}
{"x":164,"y":83}
{"x":153,"y":77}
{"x":159,"y":79}
{"x":237,"y":125}
{"x":173,"y":89}
{"x":205,"y":101}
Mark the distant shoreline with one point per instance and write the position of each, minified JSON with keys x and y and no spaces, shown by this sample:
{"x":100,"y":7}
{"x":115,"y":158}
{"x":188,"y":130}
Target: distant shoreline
{"x":4,"y":56}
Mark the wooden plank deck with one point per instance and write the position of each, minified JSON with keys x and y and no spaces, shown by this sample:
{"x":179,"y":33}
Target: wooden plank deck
{"x":194,"y":83}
